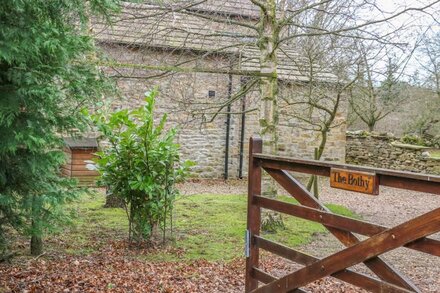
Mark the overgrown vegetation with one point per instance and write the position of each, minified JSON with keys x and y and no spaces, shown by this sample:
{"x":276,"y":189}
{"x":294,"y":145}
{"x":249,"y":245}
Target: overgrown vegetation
{"x":421,"y":141}
{"x":413,"y":139}
{"x":141,"y":165}
{"x":45,"y":78}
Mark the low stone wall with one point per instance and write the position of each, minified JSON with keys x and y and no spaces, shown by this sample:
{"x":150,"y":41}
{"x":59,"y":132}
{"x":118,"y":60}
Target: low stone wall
{"x":386,"y":151}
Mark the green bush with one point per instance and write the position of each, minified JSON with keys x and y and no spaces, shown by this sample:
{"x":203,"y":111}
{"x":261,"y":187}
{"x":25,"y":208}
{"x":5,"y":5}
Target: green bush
{"x":141,"y":165}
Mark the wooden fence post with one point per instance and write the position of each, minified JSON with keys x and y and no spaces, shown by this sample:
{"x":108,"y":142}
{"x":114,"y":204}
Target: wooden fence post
{"x":253,"y":212}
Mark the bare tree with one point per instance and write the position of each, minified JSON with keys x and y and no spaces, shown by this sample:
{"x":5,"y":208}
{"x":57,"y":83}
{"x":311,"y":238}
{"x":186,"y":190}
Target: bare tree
{"x":429,"y":61}
{"x":328,"y":63}
{"x":379,"y":90}
{"x":253,"y":43}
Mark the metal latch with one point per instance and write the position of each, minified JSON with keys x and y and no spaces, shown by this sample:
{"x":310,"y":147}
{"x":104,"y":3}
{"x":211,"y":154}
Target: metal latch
{"x":247,"y":243}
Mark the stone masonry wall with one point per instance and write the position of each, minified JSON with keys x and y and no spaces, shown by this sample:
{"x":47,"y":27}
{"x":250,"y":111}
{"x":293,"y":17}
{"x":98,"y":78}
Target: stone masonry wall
{"x":204,"y":143}
{"x":386,"y":151}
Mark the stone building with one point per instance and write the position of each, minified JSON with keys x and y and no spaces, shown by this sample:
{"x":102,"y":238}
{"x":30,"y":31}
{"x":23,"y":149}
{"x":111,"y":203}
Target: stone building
{"x":198,"y":65}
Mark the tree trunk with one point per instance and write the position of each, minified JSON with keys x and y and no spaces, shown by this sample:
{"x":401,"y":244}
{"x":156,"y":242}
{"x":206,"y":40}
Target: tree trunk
{"x":269,"y":112}
{"x":313,"y":181}
{"x":36,"y":231}
{"x":36,"y":245}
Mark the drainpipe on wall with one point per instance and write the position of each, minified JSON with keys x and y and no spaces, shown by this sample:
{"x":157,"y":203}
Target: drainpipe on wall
{"x":243,"y":124}
{"x":228,"y":128}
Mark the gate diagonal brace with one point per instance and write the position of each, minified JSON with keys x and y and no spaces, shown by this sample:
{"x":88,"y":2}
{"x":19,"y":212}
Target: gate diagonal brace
{"x":376,"y":264}
{"x":354,"y":278}
{"x":388,"y":240}
{"x":412,"y":234}
{"x":426,"y":245}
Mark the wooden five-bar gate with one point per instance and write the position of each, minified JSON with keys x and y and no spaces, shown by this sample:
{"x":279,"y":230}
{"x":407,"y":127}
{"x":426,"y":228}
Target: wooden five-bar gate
{"x":411,"y":234}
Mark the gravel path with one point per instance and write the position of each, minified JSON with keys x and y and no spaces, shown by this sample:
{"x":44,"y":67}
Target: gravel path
{"x":213,"y":187}
{"x":390,"y":208}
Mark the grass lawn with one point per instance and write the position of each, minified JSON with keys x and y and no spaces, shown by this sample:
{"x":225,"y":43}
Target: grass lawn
{"x":205,"y":226}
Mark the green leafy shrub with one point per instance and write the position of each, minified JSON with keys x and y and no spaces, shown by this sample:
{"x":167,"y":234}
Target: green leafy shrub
{"x":141,"y":165}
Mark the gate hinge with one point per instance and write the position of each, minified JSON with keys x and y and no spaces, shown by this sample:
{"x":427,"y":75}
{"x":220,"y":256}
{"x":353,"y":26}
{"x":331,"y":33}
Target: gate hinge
{"x":247,"y":243}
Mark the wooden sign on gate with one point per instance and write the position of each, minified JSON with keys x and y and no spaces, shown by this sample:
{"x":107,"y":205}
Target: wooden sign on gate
{"x":354,"y":181}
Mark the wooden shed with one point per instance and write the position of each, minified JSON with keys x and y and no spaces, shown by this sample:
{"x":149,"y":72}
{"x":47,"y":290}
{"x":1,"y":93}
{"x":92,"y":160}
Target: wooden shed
{"x":79,"y":153}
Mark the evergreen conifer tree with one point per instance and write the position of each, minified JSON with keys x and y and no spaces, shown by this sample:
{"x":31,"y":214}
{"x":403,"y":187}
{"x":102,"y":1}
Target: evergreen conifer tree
{"x":46,"y":77}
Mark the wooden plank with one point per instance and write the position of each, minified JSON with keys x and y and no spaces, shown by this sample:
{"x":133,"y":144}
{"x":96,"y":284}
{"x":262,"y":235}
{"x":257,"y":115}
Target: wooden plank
{"x":321,"y":165}
{"x":267,"y":278}
{"x":356,"y":181}
{"x":85,"y":178}
{"x":83,"y":156}
{"x":377,"y":265}
{"x":253,"y":212}
{"x":262,"y":276}
{"x":81,"y":167}
{"x":397,"y":179}
{"x":427,"y":245}
{"x":284,"y":251}
{"x":85,"y":173}
{"x":80,"y":161}
{"x":346,"y":275}
{"x":393,"y":238}
{"x":84,"y":150}
{"x":420,"y":185}
{"x":319,"y":216}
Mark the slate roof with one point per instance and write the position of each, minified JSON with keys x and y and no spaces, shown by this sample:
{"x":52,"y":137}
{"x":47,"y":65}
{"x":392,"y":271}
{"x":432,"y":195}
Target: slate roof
{"x":233,"y":8}
{"x":144,"y":24}
{"x":149,"y":25}
{"x":85,"y":142}
{"x":289,"y":64}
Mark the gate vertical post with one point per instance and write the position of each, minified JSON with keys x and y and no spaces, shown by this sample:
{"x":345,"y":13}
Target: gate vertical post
{"x":253,"y":212}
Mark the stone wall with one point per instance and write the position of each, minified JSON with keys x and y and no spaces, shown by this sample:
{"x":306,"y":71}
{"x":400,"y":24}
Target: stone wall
{"x":205,"y":143}
{"x":386,"y":151}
